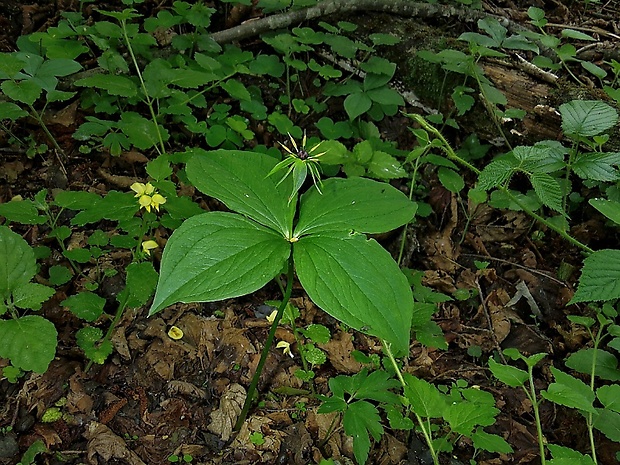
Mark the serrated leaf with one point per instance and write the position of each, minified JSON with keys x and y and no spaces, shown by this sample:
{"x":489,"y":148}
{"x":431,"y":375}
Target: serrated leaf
{"x":358,"y":204}
{"x":463,"y":417}
{"x":424,"y":398}
{"x":31,"y":295}
{"x":608,"y":423}
{"x":587,"y":118}
{"x":113,"y":84}
{"x":17,"y":262}
{"x":596,"y":167}
{"x":239,"y":180}
{"x":507,"y":374}
{"x":374,"y":386}
{"x":29,"y":342}
{"x":360,"y":421}
{"x":494,"y":174}
{"x":85,"y":305}
{"x":548,"y":190}
{"x":22,"y":211}
{"x":490,"y":442}
{"x":89,"y":340}
{"x":11,"y":111}
{"x":600,"y":277}
{"x":141,"y":283}
{"x":26,"y":91}
{"x":570,"y":392}
{"x":567,"y":456}
{"x":356,"y":281}
{"x":606,"y":366}
{"x":216,"y":256}
{"x":609,"y":396}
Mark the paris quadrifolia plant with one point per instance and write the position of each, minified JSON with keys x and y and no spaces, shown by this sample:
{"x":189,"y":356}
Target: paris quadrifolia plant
{"x":272,"y":232}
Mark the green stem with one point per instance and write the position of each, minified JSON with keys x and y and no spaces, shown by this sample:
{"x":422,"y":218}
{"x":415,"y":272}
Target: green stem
{"x":47,"y":132}
{"x":531,"y":394}
{"x":149,"y":101}
{"x":268,"y":343}
{"x":453,"y":156}
{"x":426,"y":431}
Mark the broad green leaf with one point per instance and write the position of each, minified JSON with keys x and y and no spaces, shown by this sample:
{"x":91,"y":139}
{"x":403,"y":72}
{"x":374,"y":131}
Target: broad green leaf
{"x":609,"y":208}
{"x":357,"y":282}
{"x":507,"y":374}
{"x":360,"y":419}
{"x":494,"y":174}
{"x":113,"y":84}
{"x":8,"y":110}
{"x":59,"y":67}
{"x":573,"y":34}
{"x":600,"y":277}
{"x":21,"y":211}
{"x":490,"y":442}
{"x":10,"y":65}
{"x":17,"y":262}
{"x":216,"y":256}
{"x":570,"y":392}
{"x":608,"y":423}
{"x":609,"y":396}
{"x":236,"y":90}
{"x":425,"y":399}
{"x":451,"y":180}
{"x":587,"y":118}
{"x":29,"y":342}
{"x":140,"y":131}
{"x":374,"y":386}
{"x":464,"y":416}
{"x":31,"y":295}
{"x":358,"y":204}
{"x":357,"y":104}
{"x":26,"y":91}
{"x":567,"y":456}
{"x":89,"y":340}
{"x":141,"y":283}
{"x":385,"y":166}
{"x":597,"y":166}
{"x":606,"y":366}
{"x":239,"y":180}
{"x":85,"y":305}
{"x":548,"y":190}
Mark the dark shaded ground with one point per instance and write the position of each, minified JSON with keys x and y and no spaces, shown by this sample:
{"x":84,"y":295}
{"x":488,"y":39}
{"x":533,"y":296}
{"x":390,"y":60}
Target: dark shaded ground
{"x":157,"y":396}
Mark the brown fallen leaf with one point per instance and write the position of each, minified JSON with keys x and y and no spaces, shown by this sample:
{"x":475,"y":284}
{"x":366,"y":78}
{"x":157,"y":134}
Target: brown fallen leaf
{"x":223,"y":419}
{"x":103,"y":442}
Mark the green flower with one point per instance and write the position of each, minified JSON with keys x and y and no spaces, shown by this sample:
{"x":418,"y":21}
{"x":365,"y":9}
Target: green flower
{"x":299,"y":161}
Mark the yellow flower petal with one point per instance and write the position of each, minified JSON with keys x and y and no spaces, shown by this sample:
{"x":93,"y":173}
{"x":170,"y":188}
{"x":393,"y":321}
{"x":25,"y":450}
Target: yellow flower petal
{"x":175,"y":333}
{"x":138,"y":188}
{"x":147,"y":246}
{"x":286,"y":348}
{"x":272,"y":316}
{"x":157,"y":200}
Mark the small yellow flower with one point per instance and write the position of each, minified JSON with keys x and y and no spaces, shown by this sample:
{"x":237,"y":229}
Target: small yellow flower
{"x":175,"y":333}
{"x":286,"y":346}
{"x":272,"y":316}
{"x":147,"y":246}
{"x":147,"y":196}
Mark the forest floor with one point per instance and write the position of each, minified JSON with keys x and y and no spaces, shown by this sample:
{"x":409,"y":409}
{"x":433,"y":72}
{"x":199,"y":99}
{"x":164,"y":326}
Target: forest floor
{"x":156,"y":396}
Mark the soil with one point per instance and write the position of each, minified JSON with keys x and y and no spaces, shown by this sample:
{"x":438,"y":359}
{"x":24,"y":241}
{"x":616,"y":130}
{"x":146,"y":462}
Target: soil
{"x":157,"y":396}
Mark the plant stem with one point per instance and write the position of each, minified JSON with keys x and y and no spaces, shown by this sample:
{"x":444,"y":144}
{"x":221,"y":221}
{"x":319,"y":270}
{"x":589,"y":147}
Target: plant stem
{"x":449,"y":151}
{"x":425,"y":431}
{"x":531,"y":394}
{"x":268,"y":343}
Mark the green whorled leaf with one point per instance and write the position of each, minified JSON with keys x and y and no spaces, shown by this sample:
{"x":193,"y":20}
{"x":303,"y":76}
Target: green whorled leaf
{"x":239,"y":180}
{"x":29,"y":342}
{"x":509,"y":375}
{"x":425,"y":399}
{"x":216,"y":256}
{"x":357,"y":282}
{"x":609,"y":208}
{"x":8,"y":110}
{"x":569,"y":391}
{"x":609,"y":396}
{"x":597,"y":166}
{"x":600,"y":277}
{"x":113,"y":84}
{"x":548,"y":190}
{"x":605,"y":367}
{"x":360,"y":204}
{"x":494,"y":174}
{"x":587,"y":118}
{"x":32,"y":295}
{"x":608,"y":423}
{"x":17,"y":262}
